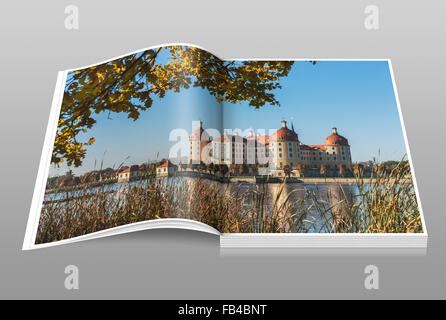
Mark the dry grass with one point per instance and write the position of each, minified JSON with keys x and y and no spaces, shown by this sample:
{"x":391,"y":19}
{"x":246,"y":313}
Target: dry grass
{"x":387,"y":205}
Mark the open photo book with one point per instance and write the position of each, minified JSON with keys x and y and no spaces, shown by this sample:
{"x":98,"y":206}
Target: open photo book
{"x":299,"y":153}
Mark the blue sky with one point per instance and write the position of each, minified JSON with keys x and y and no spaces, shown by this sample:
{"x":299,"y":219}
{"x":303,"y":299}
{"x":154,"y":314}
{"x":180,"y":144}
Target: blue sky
{"x":356,"y":96}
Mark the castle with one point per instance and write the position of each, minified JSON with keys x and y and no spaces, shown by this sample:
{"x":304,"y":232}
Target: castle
{"x":282,"y":150}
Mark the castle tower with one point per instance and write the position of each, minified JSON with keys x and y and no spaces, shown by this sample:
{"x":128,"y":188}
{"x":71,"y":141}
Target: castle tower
{"x":338,"y":150}
{"x":198,"y":140}
{"x":284,"y":147}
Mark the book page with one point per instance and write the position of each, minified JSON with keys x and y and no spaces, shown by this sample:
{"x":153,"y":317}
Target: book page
{"x":122,"y":136}
{"x":320,"y":149}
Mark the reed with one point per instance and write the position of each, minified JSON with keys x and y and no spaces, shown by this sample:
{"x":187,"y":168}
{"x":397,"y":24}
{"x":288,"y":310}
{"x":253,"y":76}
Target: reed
{"x":386,"y":204}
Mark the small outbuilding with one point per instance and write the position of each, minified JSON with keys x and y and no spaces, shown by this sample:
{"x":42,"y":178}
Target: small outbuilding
{"x":166,"y":169}
{"x":128,"y":174}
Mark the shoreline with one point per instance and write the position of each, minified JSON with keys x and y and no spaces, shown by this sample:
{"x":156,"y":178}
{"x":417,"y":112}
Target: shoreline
{"x":231,"y":179}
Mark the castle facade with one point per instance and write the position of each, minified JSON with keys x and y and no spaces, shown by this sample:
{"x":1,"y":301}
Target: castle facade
{"x":282,"y":152}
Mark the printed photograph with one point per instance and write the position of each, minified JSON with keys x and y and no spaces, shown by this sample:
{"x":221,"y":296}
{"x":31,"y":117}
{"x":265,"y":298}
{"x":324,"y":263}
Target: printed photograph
{"x":244,"y":146}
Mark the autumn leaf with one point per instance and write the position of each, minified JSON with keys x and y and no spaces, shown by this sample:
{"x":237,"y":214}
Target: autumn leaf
{"x":129,"y":84}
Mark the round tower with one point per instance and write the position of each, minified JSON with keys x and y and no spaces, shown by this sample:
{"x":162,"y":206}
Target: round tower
{"x":198,"y":139}
{"x":284,"y":146}
{"x":338,"y":150}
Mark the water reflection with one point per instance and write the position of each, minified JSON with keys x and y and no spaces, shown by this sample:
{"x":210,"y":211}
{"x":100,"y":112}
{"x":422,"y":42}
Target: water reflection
{"x":324,"y":206}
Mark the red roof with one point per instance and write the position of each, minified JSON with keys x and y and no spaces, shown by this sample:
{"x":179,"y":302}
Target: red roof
{"x":284,"y":134}
{"x":230,"y":138}
{"x":335,"y":140}
{"x":317,"y":147}
{"x":132,"y":168}
{"x":166,"y":164}
{"x":259,"y":140}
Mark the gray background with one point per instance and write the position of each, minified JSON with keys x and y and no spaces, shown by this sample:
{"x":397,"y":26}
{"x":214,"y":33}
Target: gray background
{"x":34,"y":45}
